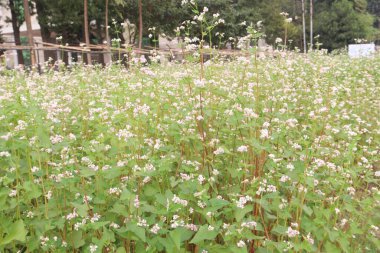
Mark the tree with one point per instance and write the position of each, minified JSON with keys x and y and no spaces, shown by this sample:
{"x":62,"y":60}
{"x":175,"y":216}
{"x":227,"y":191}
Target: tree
{"x":374,"y":8}
{"x":17,"y":18}
{"x":1,"y":41}
{"x":311,"y":24}
{"x":303,"y":26}
{"x":86,"y":31}
{"x":29,"y":29}
{"x":339,"y":23}
{"x":63,"y":18}
{"x":140,"y":24}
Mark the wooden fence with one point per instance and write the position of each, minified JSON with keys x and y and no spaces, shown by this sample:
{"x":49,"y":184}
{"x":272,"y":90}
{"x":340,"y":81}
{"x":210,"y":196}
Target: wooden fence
{"x":103,"y":54}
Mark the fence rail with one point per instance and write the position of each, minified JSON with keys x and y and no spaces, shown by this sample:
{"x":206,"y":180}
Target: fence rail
{"x":103,"y":54}
{"x":105,"y":49}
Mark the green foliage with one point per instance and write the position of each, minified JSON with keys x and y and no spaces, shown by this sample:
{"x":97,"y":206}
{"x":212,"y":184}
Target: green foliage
{"x":349,"y":18}
{"x":15,"y":232}
{"x":268,"y":154}
{"x":18,"y":7}
{"x":339,"y":24}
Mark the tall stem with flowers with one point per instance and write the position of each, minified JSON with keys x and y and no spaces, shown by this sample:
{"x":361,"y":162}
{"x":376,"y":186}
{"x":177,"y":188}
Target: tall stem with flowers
{"x":287,"y":21}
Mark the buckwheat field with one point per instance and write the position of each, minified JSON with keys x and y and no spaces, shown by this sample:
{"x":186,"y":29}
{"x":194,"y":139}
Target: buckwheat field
{"x":257,"y":155}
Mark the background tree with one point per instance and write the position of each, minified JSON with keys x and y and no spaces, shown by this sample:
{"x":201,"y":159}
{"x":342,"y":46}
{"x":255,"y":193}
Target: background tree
{"x":1,"y":41}
{"x":29,"y":29}
{"x":86,"y":30}
{"x":140,"y":24}
{"x":340,"y":22}
{"x":17,"y":18}
{"x":374,"y":8}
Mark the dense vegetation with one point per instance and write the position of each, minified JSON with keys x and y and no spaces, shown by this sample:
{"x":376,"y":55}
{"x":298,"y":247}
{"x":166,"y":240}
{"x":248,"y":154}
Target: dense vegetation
{"x":260,"y":155}
{"x":338,"y":22}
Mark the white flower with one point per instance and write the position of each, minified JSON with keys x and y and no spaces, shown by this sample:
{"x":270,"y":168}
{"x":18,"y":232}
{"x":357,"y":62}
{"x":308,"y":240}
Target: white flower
{"x":34,"y":169}
{"x":114,"y":191}
{"x":310,"y":239}
{"x":12,"y":193}
{"x":114,"y":225}
{"x":242,"y":201}
{"x":155,"y":229}
{"x":177,"y":200}
{"x":201,"y":179}
{"x":30,"y":214}
{"x":264,"y":134}
{"x":292,"y":232}
{"x":242,"y":149}
{"x":241,"y":244}
{"x":5,"y":154}
{"x":351,"y":191}
{"x":290,"y":167}
{"x":136,"y":202}
{"x":95,"y":217}
{"x":219,"y":151}
{"x":249,"y":224}
{"x":93,"y":248}
{"x":49,"y":194}
{"x":199,"y":83}
{"x":44,"y":240}
{"x":284,"y":178}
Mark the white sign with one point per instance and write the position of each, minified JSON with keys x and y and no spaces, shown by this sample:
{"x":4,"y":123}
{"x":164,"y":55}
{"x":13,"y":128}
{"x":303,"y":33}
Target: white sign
{"x":361,"y":50}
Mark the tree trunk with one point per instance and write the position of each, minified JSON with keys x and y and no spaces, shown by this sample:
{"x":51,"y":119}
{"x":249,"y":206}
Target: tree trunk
{"x":45,"y":32}
{"x":140,"y":24}
{"x":106,"y":21}
{"x":29,"y":31}
{"x":86,"y":32}
{"x":311,"y":24}
{"x":16,"y":31}
{"x":303,"y":26}
{"x":107,"y":56}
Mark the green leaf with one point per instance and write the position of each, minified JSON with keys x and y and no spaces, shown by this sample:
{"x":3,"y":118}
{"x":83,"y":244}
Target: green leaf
{"x":32,"y":190}
{"x":281,"y":230}
{"x":241,"y":212}
{"x":97,"y":225}
{"x":168,"y":244}
{"x":76,"y":239}
{"x":331,"y":248}
{"x":125,"y":195}
{"x":180,"y":235}
{"x":204,"y":234}
{"x":307,"y":210}
{"x":16,"y":232}
{"x":138,"y":231}
{"x":120,"y":250}
{"x":218,"y":203}
{"x":119,"y":209}
{"x":112,"y":173}
{"x":85,"y":172}
{"x":176,"y":237}
{"x":81,"y":209}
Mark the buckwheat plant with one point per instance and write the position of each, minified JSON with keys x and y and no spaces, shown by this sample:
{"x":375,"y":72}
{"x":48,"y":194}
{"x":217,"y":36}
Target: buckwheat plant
{"x":279,"y":156}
